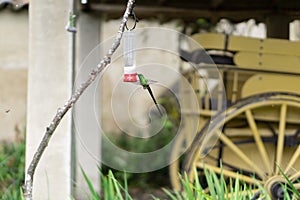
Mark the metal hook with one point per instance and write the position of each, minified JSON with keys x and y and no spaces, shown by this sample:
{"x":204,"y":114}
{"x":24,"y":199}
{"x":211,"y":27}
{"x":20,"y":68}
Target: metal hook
{"x":132,"y":14}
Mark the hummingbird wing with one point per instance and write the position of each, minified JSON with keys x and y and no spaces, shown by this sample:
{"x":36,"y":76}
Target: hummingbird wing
{"x":151,"y":82}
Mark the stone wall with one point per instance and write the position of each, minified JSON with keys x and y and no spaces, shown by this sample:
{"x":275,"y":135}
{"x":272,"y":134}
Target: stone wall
{"x":13,"y":71}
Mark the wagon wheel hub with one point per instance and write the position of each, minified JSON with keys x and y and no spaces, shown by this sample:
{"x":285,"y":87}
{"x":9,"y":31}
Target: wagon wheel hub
{"x":275,"y":187}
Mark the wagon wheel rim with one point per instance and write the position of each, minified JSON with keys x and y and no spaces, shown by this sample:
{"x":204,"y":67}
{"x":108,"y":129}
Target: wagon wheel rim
{"x":175,"y":165}
{"x":197,"y":154}
{"x":180,"y":146}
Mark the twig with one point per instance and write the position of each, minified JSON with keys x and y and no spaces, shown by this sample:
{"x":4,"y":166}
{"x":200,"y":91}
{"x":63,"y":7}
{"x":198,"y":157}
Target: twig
{"x":28,"y":185}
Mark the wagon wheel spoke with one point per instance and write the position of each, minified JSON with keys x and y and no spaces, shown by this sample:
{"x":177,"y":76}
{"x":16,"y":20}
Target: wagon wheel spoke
{"x":241,"y":154}
{"x":280,"y":142}
{"x":258,"y":140}
{"x":241,"y":193}
{"x":294,"y":158}
{"x":297,"y":186}
{"x":295,"y":176}
{"x":231,"y":174}
{"x":174,"y":167}
{"x":228,"y":173}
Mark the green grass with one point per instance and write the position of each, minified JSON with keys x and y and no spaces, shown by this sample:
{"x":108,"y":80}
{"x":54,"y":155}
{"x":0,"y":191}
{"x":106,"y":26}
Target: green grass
{"x":290,"y":186}
{"x":110,"y":187}
{"x":218,"y":187}
{"x":12,"y":165}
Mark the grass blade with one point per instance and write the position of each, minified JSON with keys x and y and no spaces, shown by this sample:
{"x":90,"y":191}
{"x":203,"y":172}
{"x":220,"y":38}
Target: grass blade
{"x":169,"y":194}
{"x":116,"y":185}
{"x":95,"y":195}
{"x":187,"y":187}
{"x":293,"y":189}
{"x":219,"y":191}
{"x":236,"y":187}
{"x":210,"y":184}
{"x":199,"y":193}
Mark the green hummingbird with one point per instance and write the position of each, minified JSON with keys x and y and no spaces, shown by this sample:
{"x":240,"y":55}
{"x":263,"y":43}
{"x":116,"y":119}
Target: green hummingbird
{"x":145,"y":83}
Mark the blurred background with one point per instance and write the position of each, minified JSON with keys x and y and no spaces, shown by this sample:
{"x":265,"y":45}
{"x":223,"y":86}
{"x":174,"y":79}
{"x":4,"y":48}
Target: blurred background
{"x":52,"y":45}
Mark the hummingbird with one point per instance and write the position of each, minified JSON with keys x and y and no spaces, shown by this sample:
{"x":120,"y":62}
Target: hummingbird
{"x":145,"y":83}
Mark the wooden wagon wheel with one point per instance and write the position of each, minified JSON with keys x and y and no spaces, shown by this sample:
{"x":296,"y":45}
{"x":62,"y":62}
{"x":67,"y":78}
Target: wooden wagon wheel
{"x":259,"y":135}
{"x":174,"y":167}
{"x":180,"y":146}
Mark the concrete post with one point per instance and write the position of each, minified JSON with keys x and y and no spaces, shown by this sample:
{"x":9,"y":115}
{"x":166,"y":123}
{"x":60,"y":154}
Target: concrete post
{"x":87,"y":109}
{"x":49,"y":86}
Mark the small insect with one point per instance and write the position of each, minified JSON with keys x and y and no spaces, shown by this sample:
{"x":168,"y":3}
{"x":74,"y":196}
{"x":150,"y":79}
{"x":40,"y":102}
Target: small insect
{"x":71,"y":27}
{"x":7,"y":111}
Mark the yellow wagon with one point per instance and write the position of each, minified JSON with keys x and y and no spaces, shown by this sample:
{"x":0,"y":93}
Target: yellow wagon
{"x":256,"y":132}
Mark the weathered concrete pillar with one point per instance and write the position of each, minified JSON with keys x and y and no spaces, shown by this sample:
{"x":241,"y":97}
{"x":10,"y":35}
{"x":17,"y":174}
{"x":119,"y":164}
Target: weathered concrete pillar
{"x":87,"y":109}
{"x":278,"y":26}
{"x":49,"y":86}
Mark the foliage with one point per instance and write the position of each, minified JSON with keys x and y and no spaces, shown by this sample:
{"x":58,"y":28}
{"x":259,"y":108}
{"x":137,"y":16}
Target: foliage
{"x":144,"y":145}
{"x":111,"y":188}
{"x":12,"y":166}
{"x":217,"y":188}
{"x":290,"y":186}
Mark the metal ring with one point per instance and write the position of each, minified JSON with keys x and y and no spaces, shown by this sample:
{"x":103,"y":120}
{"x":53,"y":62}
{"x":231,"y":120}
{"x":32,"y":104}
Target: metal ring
{"x":132,"y":14}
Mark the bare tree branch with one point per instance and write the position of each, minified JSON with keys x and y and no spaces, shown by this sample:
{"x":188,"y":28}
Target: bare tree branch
{"x":28,"y":185}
